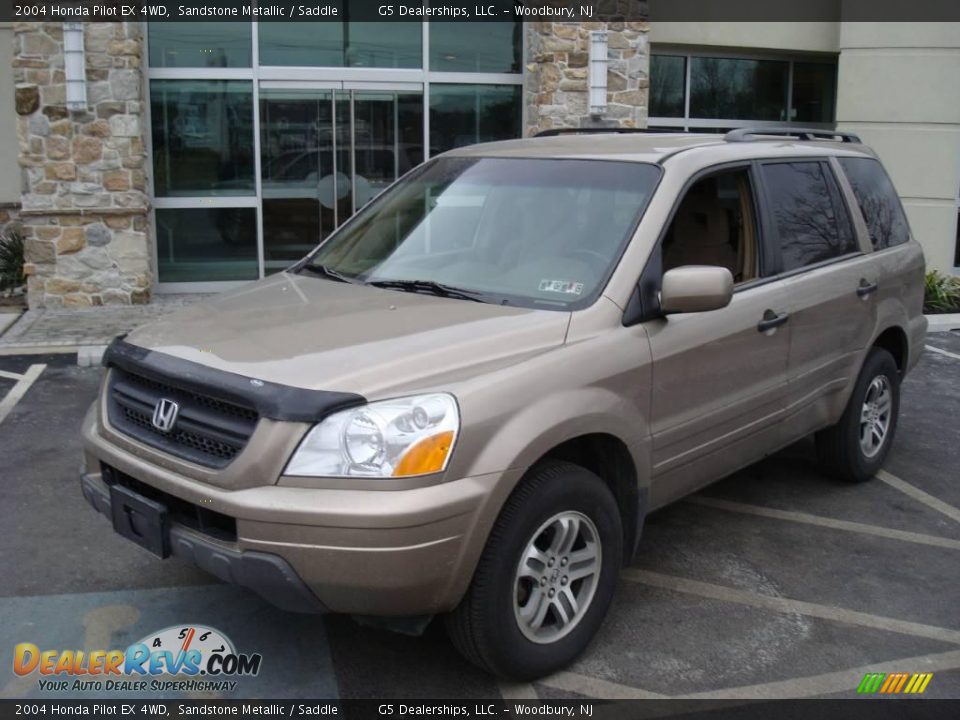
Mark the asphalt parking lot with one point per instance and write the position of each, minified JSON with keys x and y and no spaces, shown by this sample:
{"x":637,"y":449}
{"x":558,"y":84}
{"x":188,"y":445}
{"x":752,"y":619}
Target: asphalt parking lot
{"x":776,"y":582}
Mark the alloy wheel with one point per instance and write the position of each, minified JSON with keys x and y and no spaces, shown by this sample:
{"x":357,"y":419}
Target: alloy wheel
{"x":557,"y":577}
{"x":875,"y":416}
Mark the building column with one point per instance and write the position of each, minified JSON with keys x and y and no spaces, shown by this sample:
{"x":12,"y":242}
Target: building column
{"x":557,"y":92}
{"x":898,"y":90}
{"x":84,"y":202}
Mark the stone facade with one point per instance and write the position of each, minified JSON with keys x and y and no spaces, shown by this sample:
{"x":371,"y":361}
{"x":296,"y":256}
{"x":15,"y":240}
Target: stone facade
{"x":84,"y":201}
{"x":557,"y":93}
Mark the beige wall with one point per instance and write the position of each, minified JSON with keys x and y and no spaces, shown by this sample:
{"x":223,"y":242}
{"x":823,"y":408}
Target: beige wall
{"x":899,"y":89}
{"x":9,"y":170}
{"x":797,"y":36}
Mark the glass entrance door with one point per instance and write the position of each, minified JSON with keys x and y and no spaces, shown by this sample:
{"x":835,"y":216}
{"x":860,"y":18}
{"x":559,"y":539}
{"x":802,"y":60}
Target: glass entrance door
{"x":324,"y":153}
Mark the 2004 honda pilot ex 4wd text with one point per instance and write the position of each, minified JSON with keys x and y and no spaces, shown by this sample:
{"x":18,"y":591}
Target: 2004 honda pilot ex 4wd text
{"x":465,"y":401}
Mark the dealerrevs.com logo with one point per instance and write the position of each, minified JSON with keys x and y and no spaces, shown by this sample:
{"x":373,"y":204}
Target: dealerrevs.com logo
{"x":178,"y":658}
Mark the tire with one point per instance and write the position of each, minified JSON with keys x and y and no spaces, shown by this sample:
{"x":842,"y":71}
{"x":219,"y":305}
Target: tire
{"x":840,"y":449}
{"x":488,"y":627}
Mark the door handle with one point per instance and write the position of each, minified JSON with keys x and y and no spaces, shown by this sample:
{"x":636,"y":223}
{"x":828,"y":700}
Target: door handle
{"x":772,"y":320}
{"x":865,"y":288}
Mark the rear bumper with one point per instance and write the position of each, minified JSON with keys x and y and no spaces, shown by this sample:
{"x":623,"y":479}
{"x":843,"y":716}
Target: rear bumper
{"x":366,"y":552}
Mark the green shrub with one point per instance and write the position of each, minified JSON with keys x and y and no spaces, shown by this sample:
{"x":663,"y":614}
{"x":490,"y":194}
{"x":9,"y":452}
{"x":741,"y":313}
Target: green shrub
{"x":941,"y":293}
{"x":11,"y":260}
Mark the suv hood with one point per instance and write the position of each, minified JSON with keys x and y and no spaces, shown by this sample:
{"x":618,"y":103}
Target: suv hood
{"x":324,"y":335}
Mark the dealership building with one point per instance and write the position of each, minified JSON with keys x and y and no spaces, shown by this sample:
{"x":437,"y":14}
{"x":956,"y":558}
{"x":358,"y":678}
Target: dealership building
{"x":189,"y":157}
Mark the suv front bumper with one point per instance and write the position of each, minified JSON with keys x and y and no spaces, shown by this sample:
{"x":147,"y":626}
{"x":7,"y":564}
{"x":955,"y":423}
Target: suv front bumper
{"x":365,"y":552}
{"x":269,"y":575}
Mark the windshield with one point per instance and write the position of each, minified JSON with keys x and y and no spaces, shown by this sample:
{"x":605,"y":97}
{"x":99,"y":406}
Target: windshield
{"x":529,"y":232}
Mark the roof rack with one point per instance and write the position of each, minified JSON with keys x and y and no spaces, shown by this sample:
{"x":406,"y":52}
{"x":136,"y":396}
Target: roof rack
{"x":553,"y":132}
{"x":750,"y":134}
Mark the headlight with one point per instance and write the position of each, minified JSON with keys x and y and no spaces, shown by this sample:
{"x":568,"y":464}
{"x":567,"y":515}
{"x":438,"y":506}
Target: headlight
{"x":392,"y":438}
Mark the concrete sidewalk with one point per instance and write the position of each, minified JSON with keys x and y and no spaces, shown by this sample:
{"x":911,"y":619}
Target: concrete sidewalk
{"x":86,"y":329}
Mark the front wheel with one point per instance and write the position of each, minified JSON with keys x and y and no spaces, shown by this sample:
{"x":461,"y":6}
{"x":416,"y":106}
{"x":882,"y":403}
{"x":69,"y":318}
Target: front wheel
{"x":546,"y":577}
{"x":854,"y":449}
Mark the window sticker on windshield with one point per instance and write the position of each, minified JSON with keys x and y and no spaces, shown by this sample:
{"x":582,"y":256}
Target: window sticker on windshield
{"x":561,"y":286}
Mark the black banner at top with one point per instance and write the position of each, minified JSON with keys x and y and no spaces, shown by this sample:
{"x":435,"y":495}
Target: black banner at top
{"x":482,"y":11}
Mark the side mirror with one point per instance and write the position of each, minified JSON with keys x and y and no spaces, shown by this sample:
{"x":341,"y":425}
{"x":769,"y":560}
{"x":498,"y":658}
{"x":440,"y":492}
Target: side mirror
{"x":696,"y":288}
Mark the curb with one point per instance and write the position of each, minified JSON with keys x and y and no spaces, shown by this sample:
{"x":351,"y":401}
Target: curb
{"x":943,"y":323}
{"x":90,"y":355}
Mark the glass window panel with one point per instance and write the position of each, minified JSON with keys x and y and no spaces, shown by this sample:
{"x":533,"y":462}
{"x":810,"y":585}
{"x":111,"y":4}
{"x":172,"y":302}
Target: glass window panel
{"x":714,"y":225}
{"x":384,"y":44}
{"x":207,"y":244}
{"x":956,"y":257}
{"x":296,"y":164}
{"x":878,"y":202}
{"x":667,"y":81}
{"x":200,"y":44}
{"x":344,"y":156}
{"x":301,"y":43}
{"x":814,"y":92}
{"x":202,"y":137}
{"x":738,"y":88}
{"x":379,"y":155}
{"x":812,"y":222}
{"x":466,"y":114}
{"x":340,"y":44}
{"x":476,"y":47}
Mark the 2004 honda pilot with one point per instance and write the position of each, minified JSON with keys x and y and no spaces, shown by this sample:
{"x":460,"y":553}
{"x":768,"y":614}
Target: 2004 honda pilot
{"x":466,"y":400}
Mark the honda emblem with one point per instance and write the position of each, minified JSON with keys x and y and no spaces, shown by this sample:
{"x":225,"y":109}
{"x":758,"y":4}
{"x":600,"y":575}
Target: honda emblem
{"x":165,"y":415}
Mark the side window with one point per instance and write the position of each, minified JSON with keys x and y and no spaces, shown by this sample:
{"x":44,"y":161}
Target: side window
{"x":811,"y":220}
{"x":878,"y":202}
{"x":715,"y":224}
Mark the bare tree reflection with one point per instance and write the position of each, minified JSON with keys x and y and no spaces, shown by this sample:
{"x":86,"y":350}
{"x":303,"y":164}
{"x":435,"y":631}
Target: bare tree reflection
{"x":805,"y":214}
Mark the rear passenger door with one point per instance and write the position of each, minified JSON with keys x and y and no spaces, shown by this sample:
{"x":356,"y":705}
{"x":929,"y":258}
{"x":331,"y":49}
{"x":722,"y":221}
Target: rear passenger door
{"x":830,"y":287}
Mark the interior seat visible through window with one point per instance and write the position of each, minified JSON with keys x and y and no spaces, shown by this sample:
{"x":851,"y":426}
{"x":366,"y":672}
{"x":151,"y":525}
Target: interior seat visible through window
{"x":715,"y":225}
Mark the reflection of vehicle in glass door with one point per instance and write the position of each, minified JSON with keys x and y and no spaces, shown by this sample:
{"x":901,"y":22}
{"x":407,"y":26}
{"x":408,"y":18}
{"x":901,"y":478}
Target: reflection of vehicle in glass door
{"x":324,"y":153}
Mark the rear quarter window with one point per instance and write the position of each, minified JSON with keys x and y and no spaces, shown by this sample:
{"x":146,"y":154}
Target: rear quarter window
{"x":878,"y":202}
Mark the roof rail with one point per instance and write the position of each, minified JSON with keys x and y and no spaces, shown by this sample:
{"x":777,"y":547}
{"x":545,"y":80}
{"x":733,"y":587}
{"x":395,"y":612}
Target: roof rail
{"x":553,"y":132}
{"x":750,"y":134}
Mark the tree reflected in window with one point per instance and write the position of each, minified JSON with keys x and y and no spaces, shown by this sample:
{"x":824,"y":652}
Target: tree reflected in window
{"x":812,"y":222}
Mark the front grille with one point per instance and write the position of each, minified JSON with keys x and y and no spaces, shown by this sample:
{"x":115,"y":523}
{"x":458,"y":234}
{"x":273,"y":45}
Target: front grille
{"x":203,"y":520}
{"x":208,"y":431}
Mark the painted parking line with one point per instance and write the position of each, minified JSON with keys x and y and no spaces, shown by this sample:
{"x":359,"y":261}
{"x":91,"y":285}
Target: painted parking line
{"x":810,"y":686}
{"x":834,"y":682}
{"x":597,"y":688}
{"x":917,"y":494}
{"x":808,"y":519}
{"x":938,"y":351}
{"x":787,"y":605}
{"x":517,"y":691}
{"x":10,"y":375}
{"x":20,"y":389}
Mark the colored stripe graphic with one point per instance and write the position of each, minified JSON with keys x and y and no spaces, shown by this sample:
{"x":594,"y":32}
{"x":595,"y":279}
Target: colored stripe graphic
{"x":894,"y":683}
{"x":871,"y":682}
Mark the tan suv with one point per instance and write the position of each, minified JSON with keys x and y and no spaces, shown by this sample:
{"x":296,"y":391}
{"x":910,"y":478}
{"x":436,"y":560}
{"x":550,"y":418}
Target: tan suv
{"x":466,"y":400}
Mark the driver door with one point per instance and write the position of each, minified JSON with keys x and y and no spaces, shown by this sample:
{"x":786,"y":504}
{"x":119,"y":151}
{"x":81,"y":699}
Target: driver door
{"x":720,"y":377}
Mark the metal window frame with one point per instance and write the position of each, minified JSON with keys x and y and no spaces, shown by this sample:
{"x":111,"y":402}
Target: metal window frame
{"x":688,"y":52}
{"x":271,"y":76}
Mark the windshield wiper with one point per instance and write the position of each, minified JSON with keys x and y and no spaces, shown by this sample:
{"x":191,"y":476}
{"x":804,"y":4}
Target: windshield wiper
{"x":428,"y":286}
{"x":326,"y":272}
